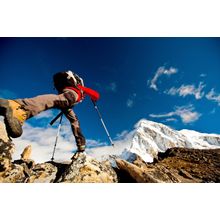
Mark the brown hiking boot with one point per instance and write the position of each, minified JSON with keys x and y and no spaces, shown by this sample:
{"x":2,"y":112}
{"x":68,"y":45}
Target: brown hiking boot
{"x":14,"y":117}
{"x":81,"y":148}
{"x":80,"y":151}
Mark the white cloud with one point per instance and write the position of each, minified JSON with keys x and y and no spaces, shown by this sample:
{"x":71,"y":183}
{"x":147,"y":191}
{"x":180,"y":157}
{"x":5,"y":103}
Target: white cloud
{"x":93,"y":143}
{"x":130,"y":101}
{"x":203,"y":75}
{"x":42,"y":141}
{"x":112,"y":87}
{"x":213,"y":96}
{"x":102,"y":153}
{"x":46,"y":114}
{"x":165,"y":115}
{"x":185,"y":90}
{"x":122,"y":141}
{"x":186,"y":113}
{"x":161,"y":71}
{"x":213,"y":111}
{"x":170,"y":119}
{"x":122,"y":134}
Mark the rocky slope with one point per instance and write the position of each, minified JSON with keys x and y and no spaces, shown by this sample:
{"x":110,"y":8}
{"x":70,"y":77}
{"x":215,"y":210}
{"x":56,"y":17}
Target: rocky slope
{"x":82,"y":169}
{"x":176,"y":165}
{"x":180,"y":163}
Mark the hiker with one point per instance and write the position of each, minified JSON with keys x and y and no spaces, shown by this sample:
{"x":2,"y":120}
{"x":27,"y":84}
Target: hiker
{"x":71,"y":91}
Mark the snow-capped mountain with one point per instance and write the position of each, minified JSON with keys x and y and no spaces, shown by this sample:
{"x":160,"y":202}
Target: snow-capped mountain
{"x":151,"y":137}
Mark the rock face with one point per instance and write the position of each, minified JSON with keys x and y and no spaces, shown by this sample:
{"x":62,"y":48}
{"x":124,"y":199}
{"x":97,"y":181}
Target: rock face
{"x":8,"y":171}
{"x":176,"y":165}
{"x":85,"y":169}
{"x":3,"y":134}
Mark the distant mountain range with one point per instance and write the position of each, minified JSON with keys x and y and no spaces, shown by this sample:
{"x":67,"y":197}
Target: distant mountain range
{"x":151,"y":137}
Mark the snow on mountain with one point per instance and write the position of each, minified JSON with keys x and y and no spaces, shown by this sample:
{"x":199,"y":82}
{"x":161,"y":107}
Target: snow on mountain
{"x":151,"y":137}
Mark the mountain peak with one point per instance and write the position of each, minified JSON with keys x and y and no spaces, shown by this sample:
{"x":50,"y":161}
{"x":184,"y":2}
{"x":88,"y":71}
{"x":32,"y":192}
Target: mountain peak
{"x":144,"y":122}
{"x":150,"y":138}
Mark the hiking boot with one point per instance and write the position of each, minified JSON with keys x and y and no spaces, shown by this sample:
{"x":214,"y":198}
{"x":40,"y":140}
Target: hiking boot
{"x":81,"y":148}
{"x":80,"y":151}
{"x":78,"y":154}
{"x":14,"y":117}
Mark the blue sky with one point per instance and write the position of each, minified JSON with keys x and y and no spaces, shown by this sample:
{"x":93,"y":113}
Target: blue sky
{"x":170,"y":80}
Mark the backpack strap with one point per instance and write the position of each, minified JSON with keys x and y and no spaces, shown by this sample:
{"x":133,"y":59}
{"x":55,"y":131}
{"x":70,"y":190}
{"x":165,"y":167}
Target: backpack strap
{"x":80,"y":96}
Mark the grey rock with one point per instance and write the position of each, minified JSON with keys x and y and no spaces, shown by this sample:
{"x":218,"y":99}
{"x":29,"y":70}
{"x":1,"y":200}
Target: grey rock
{"x":15,"y":174}
{"x":26,"y":154}
{"x":42,"y":173}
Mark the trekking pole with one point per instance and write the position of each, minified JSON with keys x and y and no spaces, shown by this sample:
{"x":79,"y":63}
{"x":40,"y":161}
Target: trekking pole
{"x":59,"y":115}
{"x":58,"y":132}
{"x":96,"y":107}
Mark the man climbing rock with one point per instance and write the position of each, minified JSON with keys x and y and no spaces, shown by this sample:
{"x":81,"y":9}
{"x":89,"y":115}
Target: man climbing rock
{"x":71,"y":91}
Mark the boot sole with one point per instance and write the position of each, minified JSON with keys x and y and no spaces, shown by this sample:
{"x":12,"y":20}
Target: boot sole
{"x":12,"y":124}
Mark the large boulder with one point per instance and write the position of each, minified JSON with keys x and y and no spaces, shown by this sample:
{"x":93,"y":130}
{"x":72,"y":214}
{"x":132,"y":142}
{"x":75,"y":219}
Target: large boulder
{"x":176,"y":165}
{"x":85,"y":169}
{"x":136,"y":173}
{"x":26,"y":154}
{"x":42,"y":173}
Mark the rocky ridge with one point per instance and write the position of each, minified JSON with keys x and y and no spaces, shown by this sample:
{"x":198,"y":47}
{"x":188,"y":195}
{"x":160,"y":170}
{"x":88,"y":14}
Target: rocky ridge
{"x":176,"y":164}
{"x":82,"y":169}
